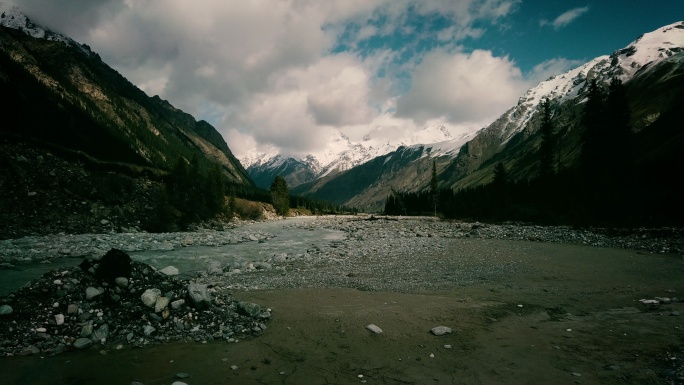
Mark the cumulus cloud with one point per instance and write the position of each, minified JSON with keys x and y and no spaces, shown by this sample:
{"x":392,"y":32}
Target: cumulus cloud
{"x":565,"y":18}
{"x":462,"y":87}
{"x":268,"y":74}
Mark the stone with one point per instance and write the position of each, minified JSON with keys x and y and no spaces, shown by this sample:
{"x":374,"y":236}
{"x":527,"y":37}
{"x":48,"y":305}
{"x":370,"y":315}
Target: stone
{"x":148,"y":329}
{"x":101,"y":333}
{"x":72,"y":308}
{"x":199,"y":296}
{"x":149,"y":297}
{"x":121,"y":282}
{"x":104,"y":222}
{"x":82,"y":343}
{"x":87,"y":330}
{"x":59,"y":319}
{"x":440,"y":330}
{"x":374,"y":328}
{"x":170,"y":271}
{"x":214,"y":268}
{"x":160,"y":304}
{"x":249,"y":309}
{"x":92,"y":292}
{"x":115,"y":263}
{"x":177,"y":304}
{"x":182,"y":375}
{"x":6,"y":310}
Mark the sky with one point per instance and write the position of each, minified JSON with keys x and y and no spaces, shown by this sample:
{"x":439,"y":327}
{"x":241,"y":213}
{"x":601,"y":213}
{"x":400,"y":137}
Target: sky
{"x":284,"y":75}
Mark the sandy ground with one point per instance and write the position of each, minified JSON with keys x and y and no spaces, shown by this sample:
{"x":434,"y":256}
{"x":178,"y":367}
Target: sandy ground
{"x":570,"y":315}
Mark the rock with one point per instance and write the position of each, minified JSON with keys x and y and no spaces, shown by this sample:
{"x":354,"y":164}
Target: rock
{"x":160,"y":304}
{"x":375,"y":329}
{"x":150,"y":296}
{"x":262,"y":266}
{"x":92,"y":292}
{"x":87,"y":330}
{"x":177,"y":304}
{"x":148,"y":329}
{"x":101,"y":333}
{"x":199,"y":296}
{"x":121,"y":282}
{"x":440,"y":330}
{"x":5,"y":310}
{"x":249,"y":309}
{"x":104,"y":222}
{"x":115,"y":263}
{"x":170,"y":271}
{"x":59,"y":319}
{"x":675,"y":313}
{"x":82,"y":343}
{"x":72,"y":308}
{"x":182,"y":375}
{"x":214,"y":268}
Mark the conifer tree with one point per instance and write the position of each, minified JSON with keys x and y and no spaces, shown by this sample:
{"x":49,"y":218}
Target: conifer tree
{"x":280,"y":197}
{"x":434,"y":187}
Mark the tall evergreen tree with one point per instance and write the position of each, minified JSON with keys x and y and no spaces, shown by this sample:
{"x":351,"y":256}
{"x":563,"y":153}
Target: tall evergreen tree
{"x":280,"y":196}
{"x":546,"y":148}
{"x":434,"y":187}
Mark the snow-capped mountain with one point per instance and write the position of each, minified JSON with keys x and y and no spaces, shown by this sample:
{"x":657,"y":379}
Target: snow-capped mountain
{"x":339,"y":155}
{"x":12,"y":17}
{"x":651,"y":68}
{"x":646,"y":51}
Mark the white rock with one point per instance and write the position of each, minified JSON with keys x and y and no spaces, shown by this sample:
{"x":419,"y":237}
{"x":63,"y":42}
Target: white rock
{"x":149,"y":297}
{"x":375,"y":329}
{"x":59,"y":319}
{"x":440,"y":330}
{"x":41,"y":330}
{"x":121,"y":282}
{"x":169,"y":271}
{"x":160,"y":304}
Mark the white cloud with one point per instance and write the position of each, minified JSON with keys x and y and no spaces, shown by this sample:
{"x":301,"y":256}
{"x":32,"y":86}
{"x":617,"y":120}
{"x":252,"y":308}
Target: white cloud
{"x":565,"y":18}
{"x":265,"y":72}
{"x":551,"y":67}
{"x":462,"y":88}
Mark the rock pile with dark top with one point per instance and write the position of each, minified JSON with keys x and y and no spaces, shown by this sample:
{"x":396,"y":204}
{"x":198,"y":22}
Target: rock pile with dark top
{"x":113,"y":302}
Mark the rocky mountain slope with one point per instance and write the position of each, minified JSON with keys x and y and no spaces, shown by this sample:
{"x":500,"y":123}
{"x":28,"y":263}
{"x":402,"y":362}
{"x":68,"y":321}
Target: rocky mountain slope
{"x":651,"y":68}
{"x":75,"y":134}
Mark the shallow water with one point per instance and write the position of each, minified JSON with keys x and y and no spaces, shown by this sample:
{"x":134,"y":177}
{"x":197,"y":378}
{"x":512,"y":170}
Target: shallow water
{"x":193,"y":259}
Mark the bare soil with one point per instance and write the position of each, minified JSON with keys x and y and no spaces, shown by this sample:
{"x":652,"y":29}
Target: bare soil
{"x":568,"y":314}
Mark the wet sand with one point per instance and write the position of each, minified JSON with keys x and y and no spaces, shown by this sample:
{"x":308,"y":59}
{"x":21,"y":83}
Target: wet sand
{"x":570,"y":315}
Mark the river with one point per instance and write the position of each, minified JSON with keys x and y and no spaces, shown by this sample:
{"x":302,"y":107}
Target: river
{"x":284,"y":236}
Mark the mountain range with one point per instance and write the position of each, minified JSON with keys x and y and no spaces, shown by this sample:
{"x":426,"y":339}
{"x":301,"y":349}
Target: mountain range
{"x":67,"y":102}
{"x":650,"y":67}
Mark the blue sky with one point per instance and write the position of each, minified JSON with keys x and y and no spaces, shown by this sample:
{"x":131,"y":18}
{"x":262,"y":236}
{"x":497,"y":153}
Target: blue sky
{"x":285,"y":75}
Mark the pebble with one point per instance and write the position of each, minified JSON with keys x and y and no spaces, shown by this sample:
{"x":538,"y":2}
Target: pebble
{"x":440,"y":330}
{"x":375,"y":329}
{"x":5,"y":310}
{"x":92,"y":292}
{"x":182,"y":375}
{"x":82,"y":343}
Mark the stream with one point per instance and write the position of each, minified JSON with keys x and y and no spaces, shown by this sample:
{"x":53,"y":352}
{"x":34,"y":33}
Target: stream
{"x":284,"y":236}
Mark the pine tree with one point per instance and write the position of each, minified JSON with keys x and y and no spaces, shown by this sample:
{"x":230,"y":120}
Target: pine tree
{"x":279,"y":196}
{"x":434,"y":187}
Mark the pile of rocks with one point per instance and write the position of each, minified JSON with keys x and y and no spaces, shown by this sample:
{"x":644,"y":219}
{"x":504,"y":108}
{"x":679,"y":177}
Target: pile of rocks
{"x":115,"y":302}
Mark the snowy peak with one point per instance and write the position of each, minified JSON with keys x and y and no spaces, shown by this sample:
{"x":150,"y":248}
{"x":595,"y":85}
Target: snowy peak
{"x":643,"y":53}
{"x":12,"y":17}
{"x":651,"y":47}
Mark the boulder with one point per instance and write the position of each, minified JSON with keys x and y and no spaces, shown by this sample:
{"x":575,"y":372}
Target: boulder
{"x":82,"y":343}
{"x":169,"y":271}
{"x":199,"y":296}
{"x":92,"y":292}
{"x":5,"y":310}
{"x":440,"y":330}
{"x":115,"y":263}
{"x":161,"y":304}
{"x":249,"y":309}
{"x":150,"y":296}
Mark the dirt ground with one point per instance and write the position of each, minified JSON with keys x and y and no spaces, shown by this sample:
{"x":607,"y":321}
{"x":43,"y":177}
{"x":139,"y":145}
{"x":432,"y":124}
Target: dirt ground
{"x":572,"y":315}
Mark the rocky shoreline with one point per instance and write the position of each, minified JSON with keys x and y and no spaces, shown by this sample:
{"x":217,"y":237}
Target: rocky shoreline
{"x":73,"y":308}
{"x":113,"y":302}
